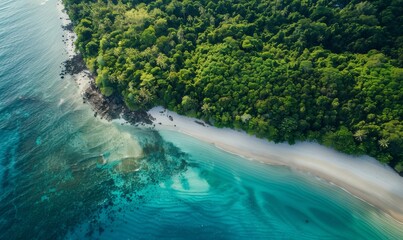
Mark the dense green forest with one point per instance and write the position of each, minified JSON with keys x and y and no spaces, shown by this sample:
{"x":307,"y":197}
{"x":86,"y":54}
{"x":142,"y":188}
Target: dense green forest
{"x":328,"y":70}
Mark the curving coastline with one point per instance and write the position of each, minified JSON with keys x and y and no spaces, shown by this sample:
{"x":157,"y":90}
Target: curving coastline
{"x":363,"y":177}
{"x":107,"y":108}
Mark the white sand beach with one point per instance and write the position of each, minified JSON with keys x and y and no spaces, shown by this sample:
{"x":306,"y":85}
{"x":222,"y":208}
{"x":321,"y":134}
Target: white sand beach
{"x":364,"y":177}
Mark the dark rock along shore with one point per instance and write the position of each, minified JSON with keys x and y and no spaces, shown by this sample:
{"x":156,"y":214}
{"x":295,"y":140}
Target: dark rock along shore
{"x":109,"y":108}
{"x":112,"y":107}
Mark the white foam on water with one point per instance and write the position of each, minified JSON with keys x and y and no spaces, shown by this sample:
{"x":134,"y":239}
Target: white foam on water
{"x":44,"y":2}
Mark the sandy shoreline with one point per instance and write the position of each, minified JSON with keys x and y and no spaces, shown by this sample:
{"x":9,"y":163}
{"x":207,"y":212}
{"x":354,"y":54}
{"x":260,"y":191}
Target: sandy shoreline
{"x":364,"y":177}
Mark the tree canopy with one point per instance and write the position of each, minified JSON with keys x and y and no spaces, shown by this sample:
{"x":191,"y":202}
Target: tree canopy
{"x":285,"y":70}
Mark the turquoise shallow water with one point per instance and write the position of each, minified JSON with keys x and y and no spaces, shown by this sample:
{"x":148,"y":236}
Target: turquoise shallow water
{"x":54,"y":185}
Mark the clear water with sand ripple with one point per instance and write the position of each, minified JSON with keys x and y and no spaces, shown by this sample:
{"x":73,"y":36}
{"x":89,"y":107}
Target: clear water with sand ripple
{"x":67,"y":175}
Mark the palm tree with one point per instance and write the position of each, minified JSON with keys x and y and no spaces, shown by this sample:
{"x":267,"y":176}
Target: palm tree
{"x":205,"y":108}
{"x":360,"y":135}
{"x":161,"y":60}
{"x":145,"y":95}
{"x":384,"y":143}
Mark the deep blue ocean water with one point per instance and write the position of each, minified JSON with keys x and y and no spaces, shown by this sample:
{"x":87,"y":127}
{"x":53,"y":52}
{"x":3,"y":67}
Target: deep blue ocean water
{"x":54,"y":185}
